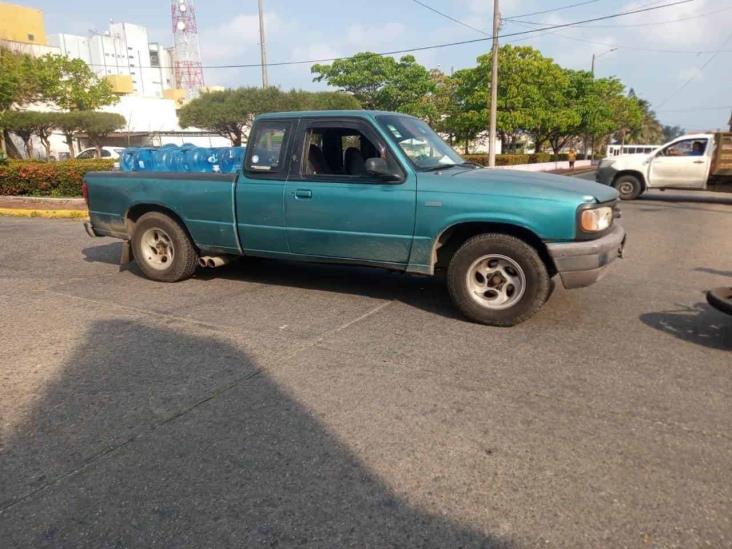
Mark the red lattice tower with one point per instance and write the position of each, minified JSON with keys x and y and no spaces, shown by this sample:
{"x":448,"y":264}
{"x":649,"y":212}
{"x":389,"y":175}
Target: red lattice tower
{"x":187,"y":64}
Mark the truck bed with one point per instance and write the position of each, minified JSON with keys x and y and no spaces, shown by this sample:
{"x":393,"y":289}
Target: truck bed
{"x":722,"y":161}
{"x":204,"y":202}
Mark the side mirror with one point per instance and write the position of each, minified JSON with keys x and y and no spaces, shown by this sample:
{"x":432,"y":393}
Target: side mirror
{"x":377,"y":166}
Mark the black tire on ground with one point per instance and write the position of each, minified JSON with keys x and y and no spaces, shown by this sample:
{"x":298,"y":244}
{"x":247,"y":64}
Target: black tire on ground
{"x":628,"y":186}
{"x":537,"y":282}
{"x":184,"y":256}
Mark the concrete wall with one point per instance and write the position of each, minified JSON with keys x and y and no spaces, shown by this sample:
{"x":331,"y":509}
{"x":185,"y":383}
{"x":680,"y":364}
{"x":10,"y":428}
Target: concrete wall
{"x":22,"y":24}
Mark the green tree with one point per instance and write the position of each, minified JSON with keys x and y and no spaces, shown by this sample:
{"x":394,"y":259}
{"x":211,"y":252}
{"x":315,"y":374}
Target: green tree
{"x":669,"y":133}
{"x":69,"y":123}
{"x":378,"y":82}
{"x":24,"y":124}
{"x":301,"y":100}
{"x":17,"y":85}
{"x":99,"y":125}
{"x":71,"y":84}
{"x":228,"y":113}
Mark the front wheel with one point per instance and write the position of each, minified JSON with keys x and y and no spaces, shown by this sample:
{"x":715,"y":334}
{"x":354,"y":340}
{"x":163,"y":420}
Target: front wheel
{"x":162,"y":248}
{"x":497,"y":279}
{"x":628,"y":186}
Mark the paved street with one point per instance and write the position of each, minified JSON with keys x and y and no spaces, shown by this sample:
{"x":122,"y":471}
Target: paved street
{"x":274,"y":403}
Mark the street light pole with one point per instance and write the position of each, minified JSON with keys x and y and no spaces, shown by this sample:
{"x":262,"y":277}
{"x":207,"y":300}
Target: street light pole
{"x":262,"y":46}
{"x":494,"y":88}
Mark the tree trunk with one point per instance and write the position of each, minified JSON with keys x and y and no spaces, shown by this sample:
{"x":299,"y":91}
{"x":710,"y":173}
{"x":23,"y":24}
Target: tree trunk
{"x":47,"y":145}
{"x":70,"y":142}
{"x":99,"y":150}
{"x":28,"y":147}
{"x":467,"y":146}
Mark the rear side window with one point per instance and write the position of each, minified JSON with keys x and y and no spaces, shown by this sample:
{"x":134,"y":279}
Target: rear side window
{"x":267,"y":147}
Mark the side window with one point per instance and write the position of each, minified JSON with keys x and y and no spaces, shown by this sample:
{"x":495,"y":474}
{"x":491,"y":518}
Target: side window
{"x":687,"y":147}
{"x":106,"y":153}
{"x":91,"y":153}
{"x":266,"y":147}
{"x":339,"y":152}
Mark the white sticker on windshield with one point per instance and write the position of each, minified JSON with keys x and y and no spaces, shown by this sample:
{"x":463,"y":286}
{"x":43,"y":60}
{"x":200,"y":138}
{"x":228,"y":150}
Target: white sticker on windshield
{"x":255,"y":159}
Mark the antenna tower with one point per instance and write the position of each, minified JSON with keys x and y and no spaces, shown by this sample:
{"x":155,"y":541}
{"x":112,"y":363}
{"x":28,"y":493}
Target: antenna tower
{"x":187,"y":59}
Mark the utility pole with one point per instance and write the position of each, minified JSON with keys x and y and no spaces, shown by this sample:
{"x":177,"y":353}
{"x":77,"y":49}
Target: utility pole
{"x":263,"y":46}
{"x":494,"y":87}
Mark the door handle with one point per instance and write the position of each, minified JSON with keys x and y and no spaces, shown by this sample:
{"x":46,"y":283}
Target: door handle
{"x":303,"y":193}
{"x":698,"y":162}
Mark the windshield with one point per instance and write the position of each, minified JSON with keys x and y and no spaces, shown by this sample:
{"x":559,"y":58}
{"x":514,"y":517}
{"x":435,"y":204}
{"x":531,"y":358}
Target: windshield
{"x":420,"y":143}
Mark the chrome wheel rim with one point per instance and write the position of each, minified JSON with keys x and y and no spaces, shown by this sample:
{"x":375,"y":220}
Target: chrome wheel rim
{"x":496,"y":281}
{"x":157,"y":249}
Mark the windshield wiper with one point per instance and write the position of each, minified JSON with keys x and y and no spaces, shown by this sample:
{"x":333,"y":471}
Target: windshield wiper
{"x":438,"y":168}
{"x":470,"y":165}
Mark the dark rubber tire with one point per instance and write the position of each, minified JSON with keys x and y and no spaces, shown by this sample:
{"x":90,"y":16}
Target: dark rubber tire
{"x":628,"y":186}
{"x":538,"y":283}
{"x":721,"y":299}
{"x":185,"y":258}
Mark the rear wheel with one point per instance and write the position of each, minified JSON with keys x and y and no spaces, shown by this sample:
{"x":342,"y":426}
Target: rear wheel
{"x":628,"y":186}
{"x":497,"y":279}
{"x":162,"y":248}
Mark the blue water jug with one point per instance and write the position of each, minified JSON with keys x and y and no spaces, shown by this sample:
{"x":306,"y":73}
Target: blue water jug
{"x":127,"y":159}
{"x":196,"y":160}
{"x":143,"y":160}
{"x":230,"y":159}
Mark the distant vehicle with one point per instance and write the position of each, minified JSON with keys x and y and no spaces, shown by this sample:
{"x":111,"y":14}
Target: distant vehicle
{"x":107,"y":152}
{"x":619,"y":150}
{"x":695,"y":161}
{"x":368,"y":188}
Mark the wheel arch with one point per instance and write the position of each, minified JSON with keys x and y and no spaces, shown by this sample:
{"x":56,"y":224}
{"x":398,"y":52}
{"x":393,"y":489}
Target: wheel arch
{"x":136,"y":211}
{"x":454,"y":236}
{"x":634,"y":173}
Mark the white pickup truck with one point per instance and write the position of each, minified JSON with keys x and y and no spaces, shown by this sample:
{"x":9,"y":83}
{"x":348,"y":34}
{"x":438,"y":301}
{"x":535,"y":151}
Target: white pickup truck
{"x":696,"y":161}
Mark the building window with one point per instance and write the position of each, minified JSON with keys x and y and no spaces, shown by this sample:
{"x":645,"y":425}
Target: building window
{"x":31,"y":37}
{"x":154,"y":59}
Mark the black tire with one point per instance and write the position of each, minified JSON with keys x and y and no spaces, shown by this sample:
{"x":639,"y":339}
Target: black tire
{"x":628,"y":186}
{"x":537,"y":285}
{"x":184,"y":256}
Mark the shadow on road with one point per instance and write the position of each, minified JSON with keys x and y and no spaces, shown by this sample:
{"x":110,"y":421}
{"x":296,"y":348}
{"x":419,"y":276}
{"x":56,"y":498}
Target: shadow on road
{"x":151,"y":437}
{"x":104,"y":253}
{"x":698,"y":197}
{"x":698,"y":324}
{"x":713,"y":271}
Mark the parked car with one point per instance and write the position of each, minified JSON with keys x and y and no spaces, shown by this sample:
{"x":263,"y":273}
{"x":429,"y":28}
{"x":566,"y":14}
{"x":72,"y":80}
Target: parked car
{"x":107,"y":152}
{"x":697,"y":161}
{"x":368,"y":188}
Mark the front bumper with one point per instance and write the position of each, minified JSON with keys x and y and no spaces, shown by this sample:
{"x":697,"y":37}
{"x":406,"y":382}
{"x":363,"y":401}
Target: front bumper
{"x":605,"y":175}
{"x":583,"y":263}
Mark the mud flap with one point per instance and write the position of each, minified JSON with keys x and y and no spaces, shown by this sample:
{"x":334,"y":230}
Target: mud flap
{"x":126,"y":256}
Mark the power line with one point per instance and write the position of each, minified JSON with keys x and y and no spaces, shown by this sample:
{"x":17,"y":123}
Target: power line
{"x":700,"y":70}
{"x":442,"y":45}
{"x":554,"y":9}
{"x":651,"y":24}
{"x":611,"y":45}
{"x":450,"y":17}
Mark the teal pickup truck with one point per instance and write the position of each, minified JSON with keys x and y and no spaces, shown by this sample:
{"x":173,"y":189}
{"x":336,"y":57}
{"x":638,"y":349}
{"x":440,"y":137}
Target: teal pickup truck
{"x":368,"y":188}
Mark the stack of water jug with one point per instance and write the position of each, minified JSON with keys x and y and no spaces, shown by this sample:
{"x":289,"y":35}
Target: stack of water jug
{"x":186,"y":158}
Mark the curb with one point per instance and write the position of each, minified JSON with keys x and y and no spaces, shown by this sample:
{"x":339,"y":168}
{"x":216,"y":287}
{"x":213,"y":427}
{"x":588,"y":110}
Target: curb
{"x":46,"y":214}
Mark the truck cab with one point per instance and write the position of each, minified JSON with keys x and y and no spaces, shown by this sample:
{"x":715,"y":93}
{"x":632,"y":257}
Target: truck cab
{"x":688,"y":162}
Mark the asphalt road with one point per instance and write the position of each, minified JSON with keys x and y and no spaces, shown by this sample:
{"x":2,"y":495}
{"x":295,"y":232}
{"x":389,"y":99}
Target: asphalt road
{"x":302,"y":405}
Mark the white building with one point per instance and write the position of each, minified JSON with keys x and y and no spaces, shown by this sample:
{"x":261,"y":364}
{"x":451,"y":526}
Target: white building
{"x":125,"y":55}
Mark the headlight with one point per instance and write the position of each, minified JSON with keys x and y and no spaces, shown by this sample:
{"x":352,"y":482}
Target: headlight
{"x":596,"y":219}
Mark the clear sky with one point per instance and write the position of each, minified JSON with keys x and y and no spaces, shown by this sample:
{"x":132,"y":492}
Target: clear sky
{"x":681,"y":88}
